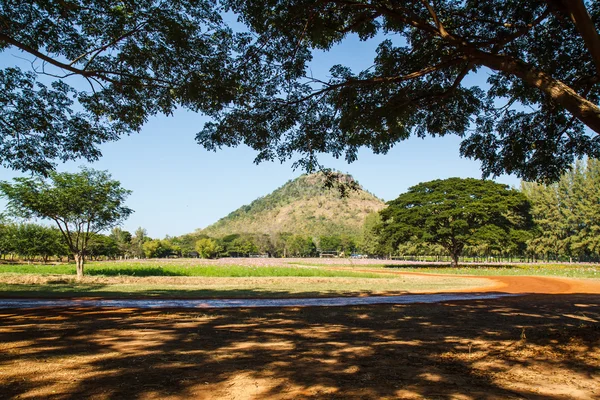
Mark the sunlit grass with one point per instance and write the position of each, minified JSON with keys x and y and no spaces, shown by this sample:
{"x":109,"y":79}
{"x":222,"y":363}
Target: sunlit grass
{"x":563,"y":270}
{"x":571,"y":270}
{"x":32,"y":285}
{"x":170,"y":269}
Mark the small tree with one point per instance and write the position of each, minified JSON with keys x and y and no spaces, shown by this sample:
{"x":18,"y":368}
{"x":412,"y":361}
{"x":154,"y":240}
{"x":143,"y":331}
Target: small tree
{"x":455,"y":212}
{"x":208,"y":248}
{"x":81,"y":204}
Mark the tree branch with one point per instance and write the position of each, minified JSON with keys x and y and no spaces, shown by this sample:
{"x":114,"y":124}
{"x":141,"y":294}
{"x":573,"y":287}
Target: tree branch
{"x":106,"y":46}
{"x":584,"y":24}
{"x":44,"y":57}
{"x":583,"y":109}
{"x":100,"y":74}
{"x":381,"y":80}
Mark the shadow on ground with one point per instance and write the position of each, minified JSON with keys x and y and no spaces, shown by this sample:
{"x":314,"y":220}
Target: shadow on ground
{"x":62,"y":289}
{"x":534,"y":347}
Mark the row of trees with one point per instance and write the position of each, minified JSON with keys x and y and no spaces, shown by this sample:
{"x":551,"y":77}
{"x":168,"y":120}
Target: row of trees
{"x":35,"y":242}
{"x":453,"y":216}
{"x":567,"y":214}
{"x":278,"y":245}
{"x":476,"y":218}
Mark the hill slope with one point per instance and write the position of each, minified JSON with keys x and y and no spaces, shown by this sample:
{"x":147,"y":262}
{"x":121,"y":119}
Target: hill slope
{"x":301,"y":206}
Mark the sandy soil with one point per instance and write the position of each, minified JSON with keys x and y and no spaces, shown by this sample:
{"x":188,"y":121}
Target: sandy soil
{"x":540,"y":346}
{"x":515,"y":284}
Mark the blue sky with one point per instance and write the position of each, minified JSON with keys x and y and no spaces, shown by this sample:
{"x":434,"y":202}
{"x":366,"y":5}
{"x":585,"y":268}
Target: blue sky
{"x":179,"y":187}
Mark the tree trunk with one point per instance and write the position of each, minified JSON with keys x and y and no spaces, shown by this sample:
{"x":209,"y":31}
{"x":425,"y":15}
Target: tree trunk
{"x":79,"y":259}
{"x":454,"y":259}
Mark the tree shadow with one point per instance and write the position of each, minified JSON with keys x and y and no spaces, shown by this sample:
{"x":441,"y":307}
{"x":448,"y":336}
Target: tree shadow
{"x":71,"y":289}
{"x":504,"y":348}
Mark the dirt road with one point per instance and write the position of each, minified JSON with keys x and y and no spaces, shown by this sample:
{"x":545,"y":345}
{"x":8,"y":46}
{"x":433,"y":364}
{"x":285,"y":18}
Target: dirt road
{"x":512,"y":284}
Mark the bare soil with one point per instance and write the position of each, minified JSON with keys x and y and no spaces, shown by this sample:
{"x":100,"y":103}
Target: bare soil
{"x":540,"y":346}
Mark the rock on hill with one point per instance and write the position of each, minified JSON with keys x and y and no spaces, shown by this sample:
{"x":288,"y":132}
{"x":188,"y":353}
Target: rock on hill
{"x":301,"y":206}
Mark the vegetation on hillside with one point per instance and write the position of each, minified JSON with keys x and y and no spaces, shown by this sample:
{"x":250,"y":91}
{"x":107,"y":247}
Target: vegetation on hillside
{"x":564,"y":226}
{"x":302,"y":206}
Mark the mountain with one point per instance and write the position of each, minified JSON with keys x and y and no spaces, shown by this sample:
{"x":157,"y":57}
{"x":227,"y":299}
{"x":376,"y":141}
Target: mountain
{"x":301,"y":206}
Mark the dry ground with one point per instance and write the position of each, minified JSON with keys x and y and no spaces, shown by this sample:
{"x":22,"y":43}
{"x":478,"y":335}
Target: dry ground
{"x":540,"y":346}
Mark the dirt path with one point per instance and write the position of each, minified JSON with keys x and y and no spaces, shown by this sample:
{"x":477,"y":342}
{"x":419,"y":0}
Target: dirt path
{"x":538,"y":347}
{"x":512,"y":284}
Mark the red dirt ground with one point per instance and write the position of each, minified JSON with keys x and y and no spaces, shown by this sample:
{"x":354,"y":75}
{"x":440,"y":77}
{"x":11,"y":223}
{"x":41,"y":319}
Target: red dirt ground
{"x":540,"y":346}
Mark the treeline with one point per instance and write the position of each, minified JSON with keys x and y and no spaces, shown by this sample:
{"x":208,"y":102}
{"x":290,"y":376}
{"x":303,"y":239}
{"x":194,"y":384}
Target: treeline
{"x":556,"y":222}
{"x":34,"y":242}
{"x":565,"y":226}
{"x":567,"y":215}
{"x":277,"y":245}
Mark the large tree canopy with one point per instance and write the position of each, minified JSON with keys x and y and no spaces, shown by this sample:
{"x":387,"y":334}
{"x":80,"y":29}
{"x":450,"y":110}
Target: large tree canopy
{"x":99,"y":69}
{"x":133,"y":59}
{"x":454,"y":213}
{"x":543,"y":60}
{"x":81,"y":204}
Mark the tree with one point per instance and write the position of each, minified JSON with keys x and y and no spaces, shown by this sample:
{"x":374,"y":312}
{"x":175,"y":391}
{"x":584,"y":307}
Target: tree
{"x":371,"y":244}
{"x":453,"y":213}
{"x":137,"y":242}
{"x":542,"y":59}
{"x":81,"y":204}
{"x":122,"y":239}
{"x":208,"y":248}
{"x":100,"y":69}
{"x":102,"y":245}
{"x":567,"y":213}
{"x":300,"y":246}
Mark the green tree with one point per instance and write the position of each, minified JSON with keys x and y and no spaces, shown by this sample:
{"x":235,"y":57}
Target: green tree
{"x":122,"y":239}
{"x":152,"y":248}
{"x":137,"y":242}
{"x":455,"y":212}
{"x":33,"y":240}
{"x":103,"y":246}
{"x":300,"y":246}
{"x":81,"y":204}
{"x":187,"y":243}
{"x":330,"y":243}
{"x":112,"y":65}
{"x":242,"y":245}
{"x":567,"y":213}
{"x":371,"y":244}
{"x":542,"y":60}
{"x":208,"y":248}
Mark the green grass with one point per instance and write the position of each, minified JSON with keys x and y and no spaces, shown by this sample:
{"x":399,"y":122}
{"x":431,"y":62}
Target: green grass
{"x":564,"y":270}
{"x":542,"y":269}
{"x":56,"y":286}
{"x":141,"y":269}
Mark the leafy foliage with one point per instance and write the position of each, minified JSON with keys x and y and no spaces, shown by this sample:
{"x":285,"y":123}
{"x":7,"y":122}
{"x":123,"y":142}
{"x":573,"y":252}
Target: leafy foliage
{"x":100,"y":69}
{"x":542,"y":58}
{"x":208,"y":248}
{"x":567,"y":214}
{"x":81,"y":204}
{"x":302,"y":206}
{"x":455,"y":212}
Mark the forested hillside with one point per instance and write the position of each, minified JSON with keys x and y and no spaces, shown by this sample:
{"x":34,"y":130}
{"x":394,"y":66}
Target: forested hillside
{"x":301,"y":206}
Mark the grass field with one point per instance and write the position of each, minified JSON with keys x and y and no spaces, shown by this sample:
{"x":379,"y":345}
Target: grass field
{"x":565,"y":270}
{"x":573,"y":270}
{"x":197,"y":279}
{"x":182,"y":268}
{"x":187,"y":278}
